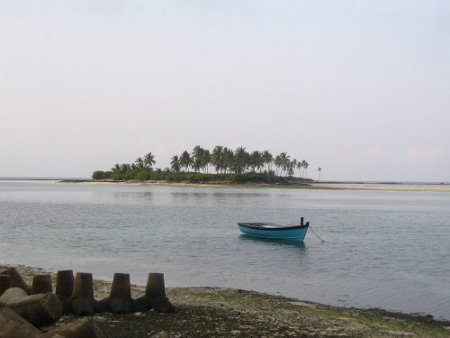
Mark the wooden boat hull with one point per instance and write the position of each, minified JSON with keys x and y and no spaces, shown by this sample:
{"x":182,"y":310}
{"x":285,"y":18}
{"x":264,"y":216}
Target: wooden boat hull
{"x":267,"y":230}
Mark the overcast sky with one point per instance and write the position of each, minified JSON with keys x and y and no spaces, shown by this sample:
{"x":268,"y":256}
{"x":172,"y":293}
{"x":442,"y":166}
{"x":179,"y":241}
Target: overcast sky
{"x":358,"y":88}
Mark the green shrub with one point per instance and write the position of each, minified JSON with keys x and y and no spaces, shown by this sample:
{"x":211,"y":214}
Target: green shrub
{"x":98,"y":175}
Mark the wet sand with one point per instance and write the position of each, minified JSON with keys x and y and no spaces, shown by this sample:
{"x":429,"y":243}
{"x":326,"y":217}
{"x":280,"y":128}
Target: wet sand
{"x":314,"y":185}
{"x":384,"y":187}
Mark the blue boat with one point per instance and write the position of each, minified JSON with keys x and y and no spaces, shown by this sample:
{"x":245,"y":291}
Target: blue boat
{"x":271,"y":230}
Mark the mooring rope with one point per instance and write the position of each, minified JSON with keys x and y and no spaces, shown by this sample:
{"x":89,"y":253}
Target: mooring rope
{"x":316,"y":234}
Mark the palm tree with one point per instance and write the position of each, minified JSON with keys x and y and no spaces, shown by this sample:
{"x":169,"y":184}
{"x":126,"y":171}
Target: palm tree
{"x":291,"y":167}
{"x":241,"y":160}
{"x":206,"y":160}
{"x":228,"y":159}
{"x":116,"y":168}
{"x":185,"y":160}
{"x":279,"y":163}
{"x":256,"y":160}
{"x":196,"y":158}
{"x":124,"y":167}
{"x":139,"y":163}
{"x":267,"y":159}
{"x":217,"y":158}
{"x":175,"y":164}
{"x":286,"y":162}
{"x":305,"y":165}
{"x":149,"y":160}
{"x":200,"y":158}
{"x":299,"y":167}
{"x":282,"y":161}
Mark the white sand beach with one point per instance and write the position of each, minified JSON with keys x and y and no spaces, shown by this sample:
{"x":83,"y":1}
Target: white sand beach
{"x":384,"y":187}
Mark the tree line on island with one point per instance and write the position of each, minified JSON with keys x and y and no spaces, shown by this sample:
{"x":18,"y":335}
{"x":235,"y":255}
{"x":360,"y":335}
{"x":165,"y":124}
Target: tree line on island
{"x":229,"y":166}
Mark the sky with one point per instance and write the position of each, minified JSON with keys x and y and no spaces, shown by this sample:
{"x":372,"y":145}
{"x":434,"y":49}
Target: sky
{"x":358,"y":88}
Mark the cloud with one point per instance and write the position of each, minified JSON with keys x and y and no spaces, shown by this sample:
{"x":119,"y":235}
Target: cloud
{"x":422,"y":155}
{"x":375,"y":150}
{"x":358,"y":155}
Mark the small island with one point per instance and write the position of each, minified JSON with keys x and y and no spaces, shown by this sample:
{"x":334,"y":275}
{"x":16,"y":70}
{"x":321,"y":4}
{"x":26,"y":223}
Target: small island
{"x":228,"y":166}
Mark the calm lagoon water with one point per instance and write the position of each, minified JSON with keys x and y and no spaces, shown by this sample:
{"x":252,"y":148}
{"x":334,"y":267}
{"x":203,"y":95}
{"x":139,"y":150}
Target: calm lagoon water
{"x":381,"y":249}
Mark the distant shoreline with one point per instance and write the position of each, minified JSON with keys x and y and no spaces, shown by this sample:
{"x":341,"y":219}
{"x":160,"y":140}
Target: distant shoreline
{"x":372,"y":186}
{"x":392,"y":187}
{"x":197,"y":184}
{"x":326,"y":185}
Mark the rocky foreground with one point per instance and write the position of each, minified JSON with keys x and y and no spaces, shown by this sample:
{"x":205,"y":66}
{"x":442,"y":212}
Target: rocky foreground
{"x":215,"y":312}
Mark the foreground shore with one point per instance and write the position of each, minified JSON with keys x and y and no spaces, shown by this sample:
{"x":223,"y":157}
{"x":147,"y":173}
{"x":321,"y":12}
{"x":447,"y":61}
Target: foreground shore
{"x":216,"y":312}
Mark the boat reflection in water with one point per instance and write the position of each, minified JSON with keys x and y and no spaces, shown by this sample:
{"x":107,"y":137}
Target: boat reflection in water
{"x":273,"y":241}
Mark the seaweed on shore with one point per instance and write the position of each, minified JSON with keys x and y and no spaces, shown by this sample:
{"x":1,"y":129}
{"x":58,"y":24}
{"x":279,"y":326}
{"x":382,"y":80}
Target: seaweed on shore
{"x":217,"y":312}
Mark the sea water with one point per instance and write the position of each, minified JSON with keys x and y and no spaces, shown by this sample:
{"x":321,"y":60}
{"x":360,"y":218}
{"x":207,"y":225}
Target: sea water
{"x":381,"y":249}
